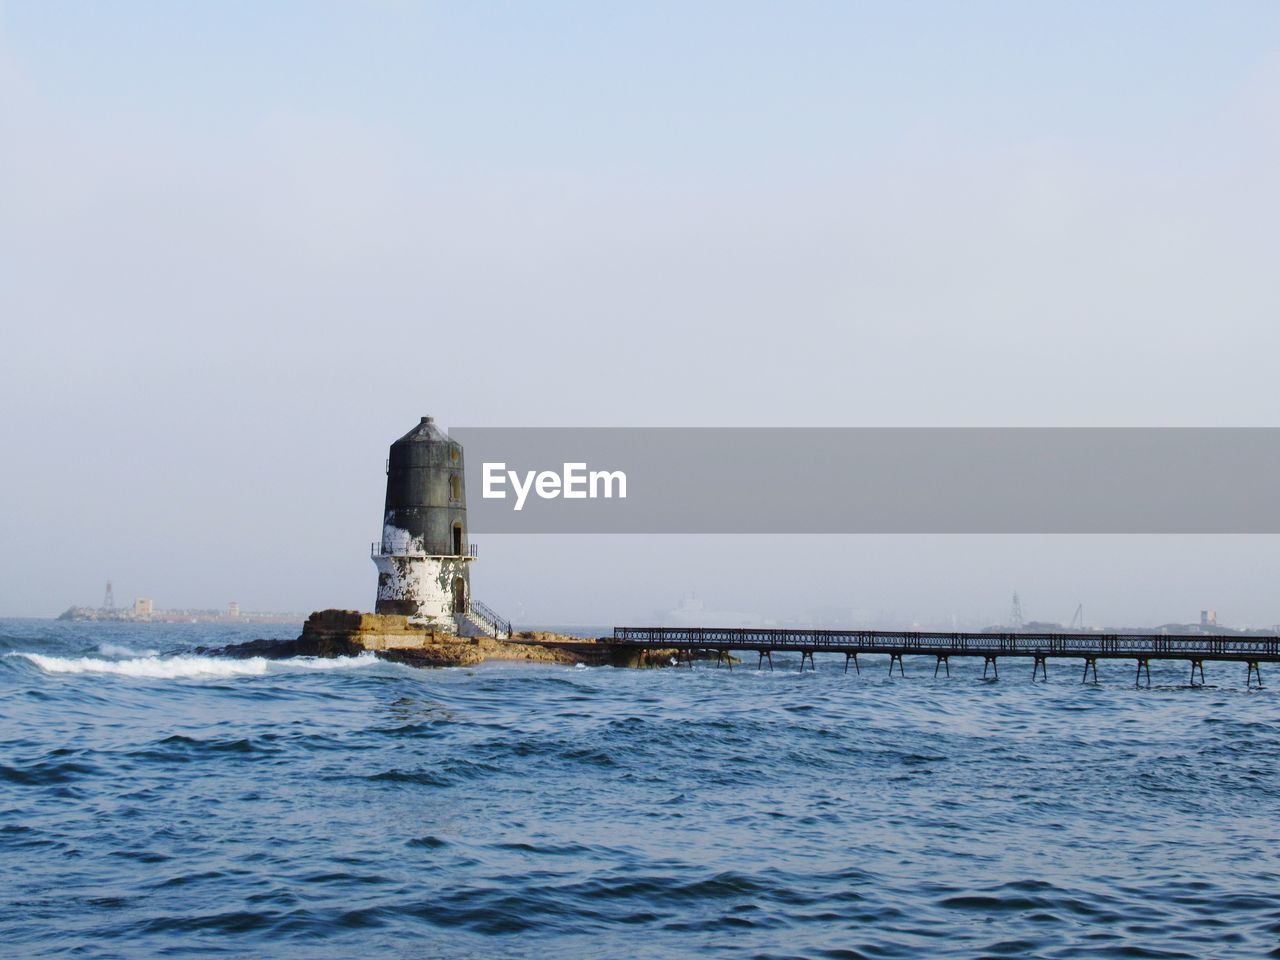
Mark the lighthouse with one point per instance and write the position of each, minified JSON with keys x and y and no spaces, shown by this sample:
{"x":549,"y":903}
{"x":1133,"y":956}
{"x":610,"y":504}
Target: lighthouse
{"x":423,"y":558}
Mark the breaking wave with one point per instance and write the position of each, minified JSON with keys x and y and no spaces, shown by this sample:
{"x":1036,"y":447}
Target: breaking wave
{"x":328,"y":663}
{"x":187,"y":666}
{"x":156,"y":668}
{"x":120,"y":650}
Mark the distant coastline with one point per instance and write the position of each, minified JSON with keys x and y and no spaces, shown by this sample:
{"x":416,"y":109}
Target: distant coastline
{"x":232,"y":614}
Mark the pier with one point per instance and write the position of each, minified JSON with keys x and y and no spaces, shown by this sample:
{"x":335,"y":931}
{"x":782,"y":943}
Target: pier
{"x":1039,"y":648}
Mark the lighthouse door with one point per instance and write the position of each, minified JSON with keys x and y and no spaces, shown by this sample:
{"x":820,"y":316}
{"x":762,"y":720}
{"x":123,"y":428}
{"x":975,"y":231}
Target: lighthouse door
{"x":459,"y":595}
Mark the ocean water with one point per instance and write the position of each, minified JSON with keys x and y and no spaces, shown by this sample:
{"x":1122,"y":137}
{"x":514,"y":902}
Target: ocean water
{"x":154,"y":803}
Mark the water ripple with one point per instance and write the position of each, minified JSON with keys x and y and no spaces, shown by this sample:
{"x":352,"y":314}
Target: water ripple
{"x":153,"y":804}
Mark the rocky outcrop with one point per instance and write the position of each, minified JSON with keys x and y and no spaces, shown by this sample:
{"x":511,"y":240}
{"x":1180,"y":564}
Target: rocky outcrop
{"x":344,"y":633}
{"x":450,"y":651}
{"x":281,"y":649}
{"x":344,"y":629}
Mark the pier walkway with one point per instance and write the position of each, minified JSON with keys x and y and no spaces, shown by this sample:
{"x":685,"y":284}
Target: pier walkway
{"x":1038,"y":647}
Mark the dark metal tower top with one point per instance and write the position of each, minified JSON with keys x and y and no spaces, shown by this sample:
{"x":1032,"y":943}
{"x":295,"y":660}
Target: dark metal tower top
{"x":426,"y":505}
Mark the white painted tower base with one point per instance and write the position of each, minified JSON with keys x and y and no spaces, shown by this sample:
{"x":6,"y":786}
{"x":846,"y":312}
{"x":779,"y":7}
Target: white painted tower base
{"x":429,"y":588}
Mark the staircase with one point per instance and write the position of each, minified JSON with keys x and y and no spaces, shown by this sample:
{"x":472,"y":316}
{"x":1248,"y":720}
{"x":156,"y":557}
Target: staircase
{"x":482,"y":621}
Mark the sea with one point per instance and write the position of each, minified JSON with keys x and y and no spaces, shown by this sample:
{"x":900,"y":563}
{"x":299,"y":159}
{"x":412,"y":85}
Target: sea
{"x":155,"y":802}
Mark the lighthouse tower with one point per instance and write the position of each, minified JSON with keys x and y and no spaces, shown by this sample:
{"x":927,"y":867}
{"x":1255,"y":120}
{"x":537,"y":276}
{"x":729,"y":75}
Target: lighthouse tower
{"x":424,"y":559}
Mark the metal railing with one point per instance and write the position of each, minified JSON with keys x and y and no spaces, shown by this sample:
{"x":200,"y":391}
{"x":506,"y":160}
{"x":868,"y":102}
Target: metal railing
{"x":489,"y":618}
{"x":377,"y":549}
{"x":1153,"y":646}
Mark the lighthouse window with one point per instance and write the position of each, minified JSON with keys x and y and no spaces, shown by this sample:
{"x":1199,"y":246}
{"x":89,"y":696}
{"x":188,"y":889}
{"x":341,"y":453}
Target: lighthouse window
{"x":453,"y":454}
{"x":455,"y":488}
{"x":457,"y":539}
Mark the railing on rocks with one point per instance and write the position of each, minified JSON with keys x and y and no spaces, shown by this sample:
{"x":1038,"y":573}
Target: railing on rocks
{"x":489,"y":619}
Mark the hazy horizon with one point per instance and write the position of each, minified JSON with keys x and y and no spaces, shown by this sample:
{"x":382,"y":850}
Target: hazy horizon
{"x":243,"y":249}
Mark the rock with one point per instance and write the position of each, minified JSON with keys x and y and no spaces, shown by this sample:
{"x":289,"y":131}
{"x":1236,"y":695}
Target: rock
{"x":270,"y":649}
{"x":347,"y":633}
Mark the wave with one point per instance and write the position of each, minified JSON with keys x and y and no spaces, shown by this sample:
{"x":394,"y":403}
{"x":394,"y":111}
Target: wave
{"x":120,"y":650}
{"x":155,"y":668}
{"x":330,"y":663}
{"x":184,"y":666}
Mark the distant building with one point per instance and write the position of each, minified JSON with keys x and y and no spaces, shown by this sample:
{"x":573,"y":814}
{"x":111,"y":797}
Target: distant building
{"x":143,"y":608}
{"x":233,"y":610}
{"x":1208,"y":618}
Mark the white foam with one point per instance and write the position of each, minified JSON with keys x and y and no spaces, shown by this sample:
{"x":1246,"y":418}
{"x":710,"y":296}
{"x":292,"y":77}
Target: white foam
{"x":182,"y":666}
{"x":327,"y":663}
{"x":120,"y":650}
{"x":157,"y":668}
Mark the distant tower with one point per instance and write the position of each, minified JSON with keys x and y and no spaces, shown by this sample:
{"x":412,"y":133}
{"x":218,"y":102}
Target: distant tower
{"x":109,"y":600}
{"x":423,"y":559}
{"x":1016,"y":620}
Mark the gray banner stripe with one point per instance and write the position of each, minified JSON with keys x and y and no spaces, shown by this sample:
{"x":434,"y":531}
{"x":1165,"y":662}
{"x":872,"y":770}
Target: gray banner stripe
{"x":886,"y":480}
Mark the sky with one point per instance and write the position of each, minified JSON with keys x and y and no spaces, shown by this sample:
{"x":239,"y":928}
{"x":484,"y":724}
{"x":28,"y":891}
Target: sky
{"x":245,"y":246}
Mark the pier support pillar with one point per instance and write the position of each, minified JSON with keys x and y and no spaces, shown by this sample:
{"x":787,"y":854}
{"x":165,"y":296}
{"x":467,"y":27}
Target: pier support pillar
{"x":1090,"y":663}
{"x":725,"y":657}
{"x":1041,"y":666}
{"x":854,"y":658}
{"x":990,"y":662}
{"x":1143,"y":664}
{"x":896,"y":658}
{"x":943,"y":660}
{"x":1194,"y":665}
{"x":1253,"y":670}
{"x":809,"y":655}
{"x":765,"y":654}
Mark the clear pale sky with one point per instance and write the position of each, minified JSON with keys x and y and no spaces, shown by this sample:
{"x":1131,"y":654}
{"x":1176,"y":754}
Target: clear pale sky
{"x":245,"y":246}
